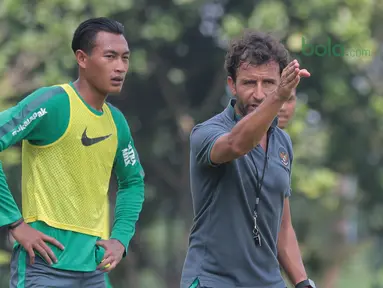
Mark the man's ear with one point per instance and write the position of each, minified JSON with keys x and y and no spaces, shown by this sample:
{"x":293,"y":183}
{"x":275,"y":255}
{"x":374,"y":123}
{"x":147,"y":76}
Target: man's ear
{"x":81,"y":58}
{"x":231,"y":84}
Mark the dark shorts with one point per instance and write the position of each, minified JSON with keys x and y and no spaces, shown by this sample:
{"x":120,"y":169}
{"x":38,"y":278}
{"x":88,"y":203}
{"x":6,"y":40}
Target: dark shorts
{"x":40,"y":274}
{"x":196,"y":284}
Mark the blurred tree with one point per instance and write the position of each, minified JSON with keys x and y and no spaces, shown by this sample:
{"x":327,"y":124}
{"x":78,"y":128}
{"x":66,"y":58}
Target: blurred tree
{"x":177,"y":79}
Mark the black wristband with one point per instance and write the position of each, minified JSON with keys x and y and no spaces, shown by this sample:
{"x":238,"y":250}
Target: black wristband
{"x":18,"y":223}
{"x":306,"y":283}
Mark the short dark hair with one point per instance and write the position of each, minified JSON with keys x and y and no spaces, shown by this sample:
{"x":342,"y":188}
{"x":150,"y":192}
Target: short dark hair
{"x":85,"y":34}
{"x":256,"y":48}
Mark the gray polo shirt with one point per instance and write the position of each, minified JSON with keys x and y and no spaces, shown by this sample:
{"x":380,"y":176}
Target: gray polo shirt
{"x":222,"y":252}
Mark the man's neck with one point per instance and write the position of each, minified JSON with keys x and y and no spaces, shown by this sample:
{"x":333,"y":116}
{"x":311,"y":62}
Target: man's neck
{"x":237,"y":111}
{"x":90,"y":95}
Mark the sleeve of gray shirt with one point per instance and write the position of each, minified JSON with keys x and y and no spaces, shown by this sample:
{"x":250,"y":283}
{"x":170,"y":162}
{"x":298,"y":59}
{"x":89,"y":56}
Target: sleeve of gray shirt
{"x":202,"y":139}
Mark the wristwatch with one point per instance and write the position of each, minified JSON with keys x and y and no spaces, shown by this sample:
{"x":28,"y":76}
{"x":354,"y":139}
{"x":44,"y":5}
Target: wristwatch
{"x":306,"y":283}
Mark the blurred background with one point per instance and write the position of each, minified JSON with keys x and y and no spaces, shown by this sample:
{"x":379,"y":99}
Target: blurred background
{"x":176,"y":80}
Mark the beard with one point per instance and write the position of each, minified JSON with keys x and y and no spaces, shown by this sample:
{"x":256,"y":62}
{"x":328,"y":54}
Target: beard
{"x":244,"y":109}
{"x":241,"y":108}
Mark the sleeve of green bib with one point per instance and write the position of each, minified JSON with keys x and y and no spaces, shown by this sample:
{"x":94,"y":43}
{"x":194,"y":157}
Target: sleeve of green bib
{"x":31,"y":119}
{"x":130,"y":177}
{"x":9,"y":212}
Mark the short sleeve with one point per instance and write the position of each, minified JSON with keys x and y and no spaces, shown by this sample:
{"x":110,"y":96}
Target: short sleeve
{"x":202,"y":139}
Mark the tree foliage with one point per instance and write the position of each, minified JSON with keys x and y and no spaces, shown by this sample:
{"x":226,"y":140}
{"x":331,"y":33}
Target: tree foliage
{"x":176,"y":80}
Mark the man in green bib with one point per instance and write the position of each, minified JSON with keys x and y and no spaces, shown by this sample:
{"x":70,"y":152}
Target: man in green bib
{"x":72,"y":142}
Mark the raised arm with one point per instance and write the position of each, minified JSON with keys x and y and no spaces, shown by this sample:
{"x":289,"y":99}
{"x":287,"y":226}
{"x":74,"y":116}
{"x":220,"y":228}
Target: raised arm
{"x":248,"y":132}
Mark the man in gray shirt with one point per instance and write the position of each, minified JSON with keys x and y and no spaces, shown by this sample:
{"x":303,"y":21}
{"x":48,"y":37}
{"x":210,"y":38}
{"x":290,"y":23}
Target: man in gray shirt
{"x":240,"y":169}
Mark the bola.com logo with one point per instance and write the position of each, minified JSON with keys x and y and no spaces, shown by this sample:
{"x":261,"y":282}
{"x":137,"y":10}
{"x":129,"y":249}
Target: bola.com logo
{"x":330,"y":49}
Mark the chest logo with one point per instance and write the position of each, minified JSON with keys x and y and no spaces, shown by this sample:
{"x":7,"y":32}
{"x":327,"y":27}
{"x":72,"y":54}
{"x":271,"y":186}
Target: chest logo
{"x":86,"y":141}
{"x":284,"y":156}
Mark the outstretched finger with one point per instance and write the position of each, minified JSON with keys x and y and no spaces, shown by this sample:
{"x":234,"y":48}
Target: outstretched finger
{"x":304,"y":73}
{"x":53,"y":241}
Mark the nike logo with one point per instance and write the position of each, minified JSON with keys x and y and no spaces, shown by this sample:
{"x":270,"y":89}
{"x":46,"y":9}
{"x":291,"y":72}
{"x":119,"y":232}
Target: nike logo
{"x":86,"y":141}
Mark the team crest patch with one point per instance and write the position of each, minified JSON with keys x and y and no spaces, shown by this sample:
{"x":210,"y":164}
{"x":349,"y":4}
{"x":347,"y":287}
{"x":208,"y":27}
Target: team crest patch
{"x":284,"y":156}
